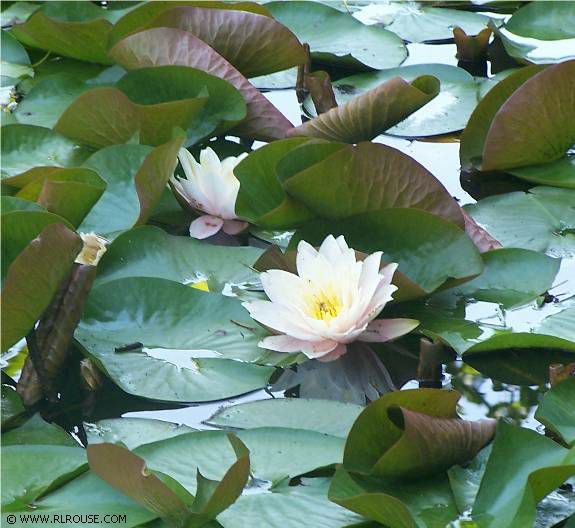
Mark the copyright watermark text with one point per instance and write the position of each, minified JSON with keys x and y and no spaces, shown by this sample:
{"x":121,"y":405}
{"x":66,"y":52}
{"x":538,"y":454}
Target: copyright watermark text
{"x":66,"y":518}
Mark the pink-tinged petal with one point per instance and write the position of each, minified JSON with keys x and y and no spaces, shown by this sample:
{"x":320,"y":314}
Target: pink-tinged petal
{"x":281,"y":319}
{"x":336,"y":353}
{"x":319,"y":349}
{"x":285,"y":288}
{"x":282,"y":343}
{"x":233,"y":227}
{"x":382,"y":330}
{"x":205,"y":226}
{"x":388,"y":271}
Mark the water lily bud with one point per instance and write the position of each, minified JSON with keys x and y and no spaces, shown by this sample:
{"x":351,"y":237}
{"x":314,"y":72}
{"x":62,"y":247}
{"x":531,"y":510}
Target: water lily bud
{"x":94,"y":248}
{"x":332,"y":301}
{"x":211,"y":188}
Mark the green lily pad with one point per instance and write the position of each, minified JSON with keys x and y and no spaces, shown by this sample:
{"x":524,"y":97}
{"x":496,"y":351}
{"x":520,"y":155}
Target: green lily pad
{"x":371,"y":113}
{"x":80,"y":33}
{"x":478,"y":126}
{"x":338,"y":38}
{"x":145,"y":13}
{"x":48,"y":99}
{"x":68,"y":192}
{"x":561,"y":324}
{"x":136,"y":177}
{"x":88,"y":494}
{"x":11,"y":203}
{"x":34,"y":277}
{"x":544,"y":133}
{"x":397,"y":504}
{"x":458,"y":259}
{"x":524,"y":466}
{"x":28,"y":471}
{"x":542,"y":219}
{"x":169,"y":46}
{"x":133,"y":432}
{"x":519,"y":358}
{"x":336,"y":182}
{"x":207,"y":332}
{"x":414,"y":22}
{"x":12,"y":406}
{"x":19,"y":228}
{"x":548,"y":21}
{"x":150,"y":252}
{"x":15,"y":61}
{"x":25,"y":147}
{"x":38,"y":432}
{"x":448,"y":112}
{"x":560,"y":173}
{"x":17,"y":12}
{"x":413,"y":434}
{"x":293,"y":413}
{"x":289,"y":507}
{"x":556,"y":410}
{"x":255,"y":44}
{"x":511,"y":277}
{"x":275,"y":454}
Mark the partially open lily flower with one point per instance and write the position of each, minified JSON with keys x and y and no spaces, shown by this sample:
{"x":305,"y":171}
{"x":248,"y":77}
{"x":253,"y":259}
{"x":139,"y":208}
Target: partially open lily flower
{"x":332,"y":302}
{"x":94,"y":247}
{"x":210,"y":187}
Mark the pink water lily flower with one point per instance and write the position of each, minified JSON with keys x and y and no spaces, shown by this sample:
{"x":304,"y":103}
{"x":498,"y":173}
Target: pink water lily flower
{"x":332,"y":301}
{"x":210,"y":187}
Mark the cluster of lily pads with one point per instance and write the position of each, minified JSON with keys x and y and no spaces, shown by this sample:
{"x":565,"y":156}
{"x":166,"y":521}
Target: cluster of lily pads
{"x":130,"y":130}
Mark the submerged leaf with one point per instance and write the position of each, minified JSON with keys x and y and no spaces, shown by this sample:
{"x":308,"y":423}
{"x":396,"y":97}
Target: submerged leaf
{"x":556,"y":410}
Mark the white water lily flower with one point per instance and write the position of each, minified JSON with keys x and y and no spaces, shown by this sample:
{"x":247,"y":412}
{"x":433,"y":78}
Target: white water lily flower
{"x":210,"y":187}
{"x":332,"y":302}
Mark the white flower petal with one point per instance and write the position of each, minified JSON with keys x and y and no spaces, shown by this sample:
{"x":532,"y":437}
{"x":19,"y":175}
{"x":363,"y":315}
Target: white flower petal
{"x":280,"y":319}
{"x":285,"y":288}
{"x":319,"y":349}
{"x":382,"y":330}
{"x":336,"y":353}
{"x":282,"y":343}
{"x":205,"y":226}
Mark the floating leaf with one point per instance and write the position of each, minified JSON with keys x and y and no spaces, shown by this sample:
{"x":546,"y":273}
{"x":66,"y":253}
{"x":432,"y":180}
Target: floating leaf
{"x":371,"y":113}
{"x":511,"y":277}
{"x":416,"y":22}
{"x":34,"y":277}
{"x":255,"y":44}
{"x":518,"y":137}
{"x":169,"y":46}
{"x":12,"y":406}
{"x":549,"y":21}
{"x":395,"y":504}
{"x":336,"y":181}
{"x":29,"y":470}
{"x":458,"y":259}
{"x":542,"y":219}
{"x":38,"y":432}
{"x":520,"y":358}
{"x":25,"y":147}
{"x":338,"y":38}
{"x":475,"y":133}
{"x":144,"y":14}
{"x":47,"y":100}
{"x":294,"y":413}
{"x":136,"y":177}
{"x":150,"y":252}
{"x":413,"y":433}
{"x":80,"y":33}
{"x":132,"y":432}
{"x":15,"y":60}
{"x":523,"y":467}
{"x":560,"y":173}
{"x":68,"y":192}
{"x":556,"y":410}
{"x":447,"y":112}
